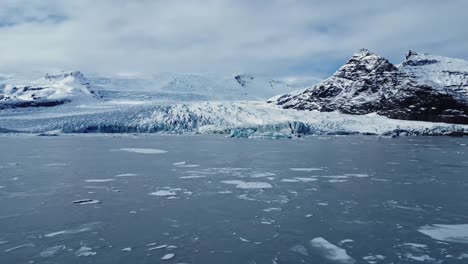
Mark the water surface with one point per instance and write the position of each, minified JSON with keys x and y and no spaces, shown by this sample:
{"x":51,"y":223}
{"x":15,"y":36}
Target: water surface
{"x":208,"y":199}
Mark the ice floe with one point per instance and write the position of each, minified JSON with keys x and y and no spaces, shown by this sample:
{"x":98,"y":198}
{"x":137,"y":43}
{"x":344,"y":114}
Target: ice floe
{"x":414,"y":245}
{"x":249,"y":185}
{"x":300,"y":179}
{"x":86,"y":201}
{"x":419,"y":257}
{"x":83,"y":228}
{"x":272,"y":209}
{"x":52,"y":251}
{"x":56,"y":164}
{"x":448,"y":233}
{"x":331,"y":251}
{"x":99,"y":180}
{"x":346,"y":241}
{"x":373,"y":259}
{"x":289,"y":180}
{"x":300,"y":249}
{"x":127,"y":249}
{"x":164,"y":193}
{"x":168,"y":256}
{"x":20,"y":246}
{"x":306,"y":169}
{"x":85,"y":251}
{"x":192,"y":177}
{"x":262,"y":174}
{"x":156,"y":247}
{"x":143,"y":150}
{"x":126,"y":175}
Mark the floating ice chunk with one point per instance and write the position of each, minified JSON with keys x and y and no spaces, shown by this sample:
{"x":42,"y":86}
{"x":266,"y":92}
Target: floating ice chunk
{"x":322,"y":204}
{"x":373,"y":258}
{"x":128,"y":249}
{"x":357,"y":175}
{"x":414,"y":245}
{"x":144,"y":150}
{"x":80,"y":229}
{"x":168,"y":256}
{"x":188,"y":166}
{"x":337,"y":180}
{"x":20,"y":246}
{"x":289,"y":180}
{"x":306,"y":179}
{"x":330,"y":251}
{"x":249,"y":185}
{"x":99,"y":180}
{"x":449,"y":233}
{"x":244,"y":240}
{"x":192,"y":177}
{"x":346,"y":241}
{"x":382,"y":180}
{"x":306,"y":169}
{"x":163,"y":193}
{"x":422,"y":258}
{"x":157,"y":247}
{"x":262,"y":174}
{"x":85,"y":251}
{"x":56,"y":164}
{"x":271,"y":209}
{"x":179,"y":163}
{"x":52,"y":251}
{"x":87,"y":201}
{"x":300,"y":249}
{"x":126,"y":175}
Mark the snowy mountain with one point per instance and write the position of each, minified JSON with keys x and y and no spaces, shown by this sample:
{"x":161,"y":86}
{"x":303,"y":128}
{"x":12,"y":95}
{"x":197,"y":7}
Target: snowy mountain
{"x":424,"y":87}
{"x":190,"y":87}
{"x":51,"y":90}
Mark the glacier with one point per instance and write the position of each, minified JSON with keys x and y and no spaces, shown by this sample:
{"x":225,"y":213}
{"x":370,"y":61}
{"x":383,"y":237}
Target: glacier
{"x":247,"y":119}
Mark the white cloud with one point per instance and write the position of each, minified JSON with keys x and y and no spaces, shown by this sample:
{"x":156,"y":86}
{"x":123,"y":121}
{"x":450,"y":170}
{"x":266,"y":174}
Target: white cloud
{"x":270,"y":37}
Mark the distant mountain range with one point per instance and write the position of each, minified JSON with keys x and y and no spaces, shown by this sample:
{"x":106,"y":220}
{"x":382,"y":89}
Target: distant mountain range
{"x":367,"y":95}
{"x":66,"y":87}
{"x":423,"y":87}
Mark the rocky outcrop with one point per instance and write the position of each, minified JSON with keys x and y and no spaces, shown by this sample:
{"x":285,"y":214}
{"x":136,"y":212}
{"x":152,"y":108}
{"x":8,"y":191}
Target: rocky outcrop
{"x":424,"y":87}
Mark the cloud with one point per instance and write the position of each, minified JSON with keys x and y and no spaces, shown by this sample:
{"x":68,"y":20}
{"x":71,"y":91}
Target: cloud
{"x":289,"y":37}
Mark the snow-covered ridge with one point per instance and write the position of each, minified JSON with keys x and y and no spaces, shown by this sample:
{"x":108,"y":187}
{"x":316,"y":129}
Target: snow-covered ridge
{"x":50,"y":90}
{"x":424,"y":87}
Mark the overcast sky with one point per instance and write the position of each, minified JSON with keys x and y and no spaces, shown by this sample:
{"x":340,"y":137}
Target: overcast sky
{"x":279,"y":38}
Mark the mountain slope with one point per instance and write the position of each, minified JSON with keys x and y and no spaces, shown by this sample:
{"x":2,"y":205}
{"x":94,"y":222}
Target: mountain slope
{"x":423,"y":87}
{"x":51,"y":90}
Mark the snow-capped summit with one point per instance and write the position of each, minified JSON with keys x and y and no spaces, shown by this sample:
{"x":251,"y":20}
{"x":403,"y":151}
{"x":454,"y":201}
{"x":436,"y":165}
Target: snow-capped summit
{"x":243,"y":79}
{"x":447,"y":75}
{"x":424,"y":87}
{"x":50,"y":90}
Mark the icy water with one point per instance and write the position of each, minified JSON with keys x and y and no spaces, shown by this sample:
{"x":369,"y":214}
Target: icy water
{"x":209,"y":199}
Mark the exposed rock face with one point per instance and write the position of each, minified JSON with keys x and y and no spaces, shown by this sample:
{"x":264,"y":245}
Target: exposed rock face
{"x":424,"y":87}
